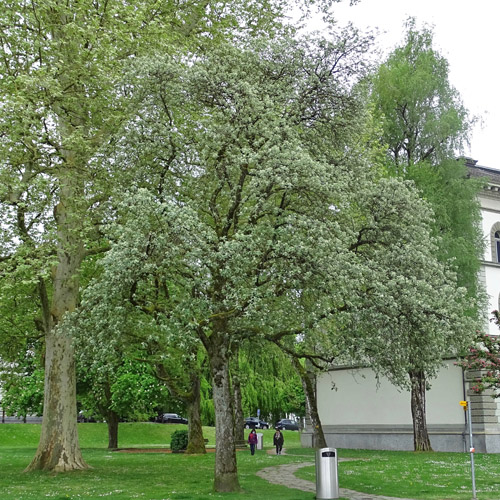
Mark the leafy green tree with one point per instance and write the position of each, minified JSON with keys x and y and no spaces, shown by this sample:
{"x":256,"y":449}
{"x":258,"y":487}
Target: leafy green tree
{"x":22,"y":391}
{"x":424,"y":119}
{"x":424,"y":125}
{"x":61,"y":61}
{"x":271,"y":222}
{"x":63,"y":98}
{"x":243,"y":190}
{"x":127,"y":390}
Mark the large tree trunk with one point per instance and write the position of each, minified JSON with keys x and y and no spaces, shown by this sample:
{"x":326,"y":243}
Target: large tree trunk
{"x":309,"y":385}
{"x":421,"y":441}
{"x":226,"y":472}
{"x":196,"y":442}
{"x":58,"y":449}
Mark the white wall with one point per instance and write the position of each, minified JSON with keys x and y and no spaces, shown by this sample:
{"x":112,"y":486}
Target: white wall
{"x":490,"y":215}
{"x":358,"y":401}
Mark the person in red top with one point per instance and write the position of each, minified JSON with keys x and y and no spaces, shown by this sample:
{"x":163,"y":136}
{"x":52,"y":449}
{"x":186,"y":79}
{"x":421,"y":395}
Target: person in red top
{"x":252,"y":439}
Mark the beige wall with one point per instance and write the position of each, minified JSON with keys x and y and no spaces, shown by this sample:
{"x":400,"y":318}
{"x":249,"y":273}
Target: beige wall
{"x":358,"y":401}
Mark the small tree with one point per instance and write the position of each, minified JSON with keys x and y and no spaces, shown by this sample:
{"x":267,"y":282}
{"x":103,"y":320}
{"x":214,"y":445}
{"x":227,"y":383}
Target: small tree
{"x":22,"y":392}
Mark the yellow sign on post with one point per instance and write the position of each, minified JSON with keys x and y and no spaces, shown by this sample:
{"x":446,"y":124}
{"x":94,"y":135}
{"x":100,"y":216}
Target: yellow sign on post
{"x":464,"y":404}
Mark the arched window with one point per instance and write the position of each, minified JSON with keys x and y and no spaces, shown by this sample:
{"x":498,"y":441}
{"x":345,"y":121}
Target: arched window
{"x":495,"y":242}
{"x":497,"y":245}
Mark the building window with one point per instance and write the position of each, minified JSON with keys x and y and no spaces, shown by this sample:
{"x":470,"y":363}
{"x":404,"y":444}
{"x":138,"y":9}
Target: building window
{"x":495,"y":242}
{"x":497,"y":246}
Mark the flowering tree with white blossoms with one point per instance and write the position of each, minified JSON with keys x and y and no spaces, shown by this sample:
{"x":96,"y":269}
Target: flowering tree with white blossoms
{"x":258,"y":205}
{"x":63,"y":99}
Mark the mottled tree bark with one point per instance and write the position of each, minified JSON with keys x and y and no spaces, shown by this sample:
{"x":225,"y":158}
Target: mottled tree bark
{"x":421,"y":441}
{"x":309,"y":385}
{"x":59,"y":449}
{"x":226,"y":471}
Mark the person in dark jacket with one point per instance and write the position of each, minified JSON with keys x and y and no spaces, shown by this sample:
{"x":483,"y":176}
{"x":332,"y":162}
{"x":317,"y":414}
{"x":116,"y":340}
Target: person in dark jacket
{"x":278,"y":441}
{"x":252,"y":439}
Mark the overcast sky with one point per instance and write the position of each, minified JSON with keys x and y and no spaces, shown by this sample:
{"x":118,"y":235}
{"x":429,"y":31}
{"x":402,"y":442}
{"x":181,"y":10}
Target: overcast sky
{"x":467,"y":33}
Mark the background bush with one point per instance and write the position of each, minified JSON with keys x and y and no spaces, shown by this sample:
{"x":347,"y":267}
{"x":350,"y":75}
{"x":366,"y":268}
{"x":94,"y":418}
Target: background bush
{"x":179,"y":440}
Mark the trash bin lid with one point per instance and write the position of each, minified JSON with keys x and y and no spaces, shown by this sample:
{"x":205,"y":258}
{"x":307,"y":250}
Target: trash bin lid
{"x":328,"y":453}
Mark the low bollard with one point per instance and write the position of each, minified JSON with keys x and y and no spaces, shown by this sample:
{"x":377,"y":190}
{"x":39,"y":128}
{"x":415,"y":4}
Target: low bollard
{"x":327,"y":484}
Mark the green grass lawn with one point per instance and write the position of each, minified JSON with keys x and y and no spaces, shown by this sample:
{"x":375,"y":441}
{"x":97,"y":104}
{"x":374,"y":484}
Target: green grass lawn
{"x":149,"y":476}
{"x":162,"y":476}
{"x":426,"y":476}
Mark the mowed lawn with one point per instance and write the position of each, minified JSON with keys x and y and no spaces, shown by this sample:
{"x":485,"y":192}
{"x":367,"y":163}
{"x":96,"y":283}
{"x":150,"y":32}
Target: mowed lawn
{"x":162,"y":476}
{"x":150,"y":476}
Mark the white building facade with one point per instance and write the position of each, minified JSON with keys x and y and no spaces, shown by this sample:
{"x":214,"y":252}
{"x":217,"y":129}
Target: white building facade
{"x":357,"y":411}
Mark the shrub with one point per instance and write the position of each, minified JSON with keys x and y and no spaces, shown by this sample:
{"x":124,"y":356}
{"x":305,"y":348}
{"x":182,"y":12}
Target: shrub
{"x":179,"y":441}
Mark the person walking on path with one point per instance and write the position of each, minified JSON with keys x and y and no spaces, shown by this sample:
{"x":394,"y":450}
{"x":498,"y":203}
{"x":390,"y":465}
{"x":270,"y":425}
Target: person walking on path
{"x":252,"y":439}
{"x":278,"y":441}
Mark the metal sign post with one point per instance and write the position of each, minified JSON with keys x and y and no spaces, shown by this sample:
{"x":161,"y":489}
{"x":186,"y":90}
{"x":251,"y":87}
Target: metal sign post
{"x":466,"y":406}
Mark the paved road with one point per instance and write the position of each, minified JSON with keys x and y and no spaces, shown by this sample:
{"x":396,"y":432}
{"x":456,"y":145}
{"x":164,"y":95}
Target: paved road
{"x":285,"y":475}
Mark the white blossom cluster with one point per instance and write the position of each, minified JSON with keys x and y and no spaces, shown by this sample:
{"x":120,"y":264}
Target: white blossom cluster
{"x":259,"y":205}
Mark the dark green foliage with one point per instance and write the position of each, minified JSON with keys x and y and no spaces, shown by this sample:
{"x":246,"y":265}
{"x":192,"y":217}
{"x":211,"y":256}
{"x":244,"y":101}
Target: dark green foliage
{"x":179,"y":440}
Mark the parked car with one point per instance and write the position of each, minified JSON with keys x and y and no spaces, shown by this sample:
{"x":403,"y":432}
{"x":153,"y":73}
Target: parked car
{"x":255,"y":423}
{"x":173,"y":418}
{"x":287,"y":424}
{"x":263,"y":425}
{"x":252,"y":423}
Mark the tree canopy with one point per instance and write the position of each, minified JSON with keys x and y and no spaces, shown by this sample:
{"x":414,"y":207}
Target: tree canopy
{"x":256,"y":211}
{"x":233,"y":179}
{"x":63,"y":98}
{"x":424,"y":126}
{"x":422,"y":114}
